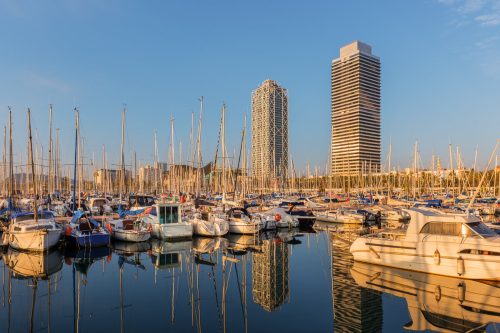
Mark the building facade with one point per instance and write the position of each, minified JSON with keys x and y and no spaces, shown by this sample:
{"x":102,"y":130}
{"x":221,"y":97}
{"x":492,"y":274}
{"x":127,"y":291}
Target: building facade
{"x":270,"y":131}
{"x":355,"y":142}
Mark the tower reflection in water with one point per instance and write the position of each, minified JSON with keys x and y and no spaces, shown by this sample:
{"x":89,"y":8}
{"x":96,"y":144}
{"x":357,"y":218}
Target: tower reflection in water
{"x":270,"y":274}
{"x":355,"y":309}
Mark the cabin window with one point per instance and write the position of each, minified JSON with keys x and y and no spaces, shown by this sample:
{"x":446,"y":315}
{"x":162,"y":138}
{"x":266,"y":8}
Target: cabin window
{"x":442,"y":228}
{"x":169,"y":214}
{"x":481,"y":252}
{"x":481,"y":229}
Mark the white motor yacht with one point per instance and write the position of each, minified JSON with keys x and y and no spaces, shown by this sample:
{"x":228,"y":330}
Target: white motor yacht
{"x":281,"y":218}
{"x":27,"y":233}
{"x":166,"y":222}
{"x":128,"y":230}
{"x":457,"y":245}
{"x":341,"y":215}
{"x":99,"y":206}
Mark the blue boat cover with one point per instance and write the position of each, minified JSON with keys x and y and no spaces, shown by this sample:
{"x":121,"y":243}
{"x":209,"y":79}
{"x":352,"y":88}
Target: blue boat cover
{"x":77,"y":216}
{"x":124,"y":213}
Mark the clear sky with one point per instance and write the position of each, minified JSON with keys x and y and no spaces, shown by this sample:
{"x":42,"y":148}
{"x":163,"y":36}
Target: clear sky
{"x":440,"y":70}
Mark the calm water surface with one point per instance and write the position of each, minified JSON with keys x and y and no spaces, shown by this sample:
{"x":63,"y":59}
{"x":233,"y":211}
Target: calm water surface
{"x":278,"y":282}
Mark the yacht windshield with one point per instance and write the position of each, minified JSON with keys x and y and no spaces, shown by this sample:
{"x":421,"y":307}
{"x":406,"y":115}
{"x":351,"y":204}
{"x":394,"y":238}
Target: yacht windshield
{"x":481,"y":229}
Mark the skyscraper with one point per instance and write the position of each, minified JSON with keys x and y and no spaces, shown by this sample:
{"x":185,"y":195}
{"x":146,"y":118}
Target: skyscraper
{"x":269,"y":131}
{"x":355,"y":146}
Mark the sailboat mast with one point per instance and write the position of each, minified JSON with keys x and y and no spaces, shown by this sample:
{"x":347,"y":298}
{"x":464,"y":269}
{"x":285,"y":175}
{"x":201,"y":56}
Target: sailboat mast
{"x":50,"y":178}
{"x":33,"y":179}
{"x":4,"y":178}
{"x":198,"y":150}
{"x":76,"y":160}
{"x":122,"y":159}
{"x":11,"y":162}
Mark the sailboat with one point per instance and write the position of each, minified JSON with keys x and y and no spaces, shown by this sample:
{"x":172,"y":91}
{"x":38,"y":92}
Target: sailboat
{"x":83,"y":231}
{"x":34,"y":231}
{"x":122,"y":229}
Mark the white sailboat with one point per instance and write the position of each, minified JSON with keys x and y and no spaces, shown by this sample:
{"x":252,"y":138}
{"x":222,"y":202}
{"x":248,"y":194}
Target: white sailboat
{"x":125,"y":229}
{"x":35,"y":231}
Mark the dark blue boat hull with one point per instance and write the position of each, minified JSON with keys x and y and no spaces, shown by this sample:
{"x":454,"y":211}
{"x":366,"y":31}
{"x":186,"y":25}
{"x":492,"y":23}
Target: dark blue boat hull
{"x":90,"y":240}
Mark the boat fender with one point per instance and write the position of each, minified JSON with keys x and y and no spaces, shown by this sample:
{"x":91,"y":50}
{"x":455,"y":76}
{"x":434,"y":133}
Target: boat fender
{"x":437,"y":293}
{"x":150,"y":227}
{"x":460,"y":266}
{"x":68,"y":230}
{"x":461,"y":292}
{"x":109,"y":227}
{"x":277,"y":217}
{"x":437,"y":257}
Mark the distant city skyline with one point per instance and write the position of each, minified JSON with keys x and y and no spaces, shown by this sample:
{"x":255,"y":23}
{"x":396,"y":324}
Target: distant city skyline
{"x":441,"y":72}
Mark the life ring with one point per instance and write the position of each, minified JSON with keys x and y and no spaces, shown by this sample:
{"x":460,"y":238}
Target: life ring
{"x":277,"y":217}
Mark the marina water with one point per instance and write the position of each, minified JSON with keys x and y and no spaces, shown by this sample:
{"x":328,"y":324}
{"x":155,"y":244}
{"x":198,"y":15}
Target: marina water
{"x":289,"y":281}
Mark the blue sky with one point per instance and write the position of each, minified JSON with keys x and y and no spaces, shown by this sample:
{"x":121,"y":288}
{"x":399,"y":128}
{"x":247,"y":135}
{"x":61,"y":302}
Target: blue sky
{"x":440,"y":70}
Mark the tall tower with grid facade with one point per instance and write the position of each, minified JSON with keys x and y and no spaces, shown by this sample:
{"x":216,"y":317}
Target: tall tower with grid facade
{"x":355,"y":146}
{"x":270,"y":131}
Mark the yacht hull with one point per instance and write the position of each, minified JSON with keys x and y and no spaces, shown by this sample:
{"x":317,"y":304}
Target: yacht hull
{"x":38,"y":240}
{"x":171,"y":231}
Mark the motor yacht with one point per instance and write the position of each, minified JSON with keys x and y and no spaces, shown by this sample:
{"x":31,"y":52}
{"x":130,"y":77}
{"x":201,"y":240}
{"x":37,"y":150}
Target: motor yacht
{"x":166,"y":221}
{"x":457,"y":245}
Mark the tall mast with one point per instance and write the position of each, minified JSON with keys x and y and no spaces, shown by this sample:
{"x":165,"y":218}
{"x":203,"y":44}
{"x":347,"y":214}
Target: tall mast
{"x":451,"y":168}
{"x":33,"y":178}
{"x":198,"y":150}
{"x":122,"y":158}
{"x":76,"y":160}
{"x":172,"y":154}
{"x":56,"y":162}
{"x":11,"y":162}
{"x":156,"y":164}
{"x":4,"y":178}
{"x":50,"y":188}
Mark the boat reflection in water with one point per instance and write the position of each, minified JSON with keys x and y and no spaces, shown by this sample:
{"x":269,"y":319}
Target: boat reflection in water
{"x":25,"y":265}
{"x":165,"y":254}
{"x":81,"y":261}
{"x":435,"y":302}
{"x":355,"y":309}
{"x":33,"y":266}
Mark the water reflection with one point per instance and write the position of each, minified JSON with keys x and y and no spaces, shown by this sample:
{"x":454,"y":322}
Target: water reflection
{"x":437,"y":303}
{"x":31,"y":267}
{"x":242,"y":283}
{"x":270,"y":274}
{"x":355,"y":309}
